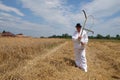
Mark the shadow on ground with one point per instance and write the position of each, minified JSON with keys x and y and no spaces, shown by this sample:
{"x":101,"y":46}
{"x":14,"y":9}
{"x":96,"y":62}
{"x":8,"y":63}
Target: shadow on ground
{"x":69,"y":62}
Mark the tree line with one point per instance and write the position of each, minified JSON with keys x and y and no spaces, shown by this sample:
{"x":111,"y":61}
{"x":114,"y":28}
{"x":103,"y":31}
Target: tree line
{"x":98,"y":36}
{"x":66,"y":36}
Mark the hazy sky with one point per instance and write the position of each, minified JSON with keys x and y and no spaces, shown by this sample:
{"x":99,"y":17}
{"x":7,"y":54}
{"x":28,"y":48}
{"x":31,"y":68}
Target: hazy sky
{"x":48,"y":17}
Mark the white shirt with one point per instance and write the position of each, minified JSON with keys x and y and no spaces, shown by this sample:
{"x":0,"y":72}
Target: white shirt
{"x":76,"y":41}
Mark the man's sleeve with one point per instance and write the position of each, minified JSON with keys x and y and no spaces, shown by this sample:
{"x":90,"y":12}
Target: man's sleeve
{"x":84,"y":38}
{"x":74,"y":37}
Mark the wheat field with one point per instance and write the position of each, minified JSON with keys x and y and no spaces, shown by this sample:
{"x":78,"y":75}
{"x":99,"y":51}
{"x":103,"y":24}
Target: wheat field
{"x":53,"y":59}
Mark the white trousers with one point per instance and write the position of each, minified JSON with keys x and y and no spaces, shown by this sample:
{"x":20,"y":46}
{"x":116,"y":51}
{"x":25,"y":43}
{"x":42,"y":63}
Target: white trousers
{"x":80,"y":58}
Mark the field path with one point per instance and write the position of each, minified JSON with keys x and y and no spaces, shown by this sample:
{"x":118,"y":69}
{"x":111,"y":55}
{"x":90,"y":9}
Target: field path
{"x":33,"y":62}
{"x":24,"y":72}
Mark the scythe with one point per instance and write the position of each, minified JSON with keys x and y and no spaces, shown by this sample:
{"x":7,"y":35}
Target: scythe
{"x":83,"y":28}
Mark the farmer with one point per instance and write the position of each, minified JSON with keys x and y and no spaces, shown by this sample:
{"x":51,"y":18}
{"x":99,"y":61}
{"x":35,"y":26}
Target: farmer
{"x":80,"y":42}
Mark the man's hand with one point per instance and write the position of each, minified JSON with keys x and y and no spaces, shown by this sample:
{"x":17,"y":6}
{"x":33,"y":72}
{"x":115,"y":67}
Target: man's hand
{"x":82,"y":43}
{"x":80,"y":37}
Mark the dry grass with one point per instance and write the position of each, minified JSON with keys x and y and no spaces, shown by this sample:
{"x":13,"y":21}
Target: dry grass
{"x":105,"y":58}
{"x":53,"y":59}
{"x":15,"y":52}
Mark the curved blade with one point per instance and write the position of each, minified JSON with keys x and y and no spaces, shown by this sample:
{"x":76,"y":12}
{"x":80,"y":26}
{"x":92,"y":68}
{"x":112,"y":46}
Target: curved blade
{"x":84,"y":14}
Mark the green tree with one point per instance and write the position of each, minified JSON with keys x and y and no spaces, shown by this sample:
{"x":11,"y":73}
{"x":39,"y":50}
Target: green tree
{"x":99,"y":36}
{"x":108,"y":37}
{"x":3,"y":31}
{"x":117,"y":36}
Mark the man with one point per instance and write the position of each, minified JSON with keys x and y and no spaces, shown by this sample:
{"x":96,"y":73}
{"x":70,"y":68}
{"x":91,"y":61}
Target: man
{"x":80,"y":42}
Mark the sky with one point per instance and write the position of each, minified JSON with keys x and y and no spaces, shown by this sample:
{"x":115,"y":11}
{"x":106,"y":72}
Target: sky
{"x":48,"y":17}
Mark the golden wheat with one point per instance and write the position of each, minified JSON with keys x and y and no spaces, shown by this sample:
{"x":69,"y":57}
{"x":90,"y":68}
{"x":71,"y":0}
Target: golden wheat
{"x":53,"y":59}
{"x":15,"y":51}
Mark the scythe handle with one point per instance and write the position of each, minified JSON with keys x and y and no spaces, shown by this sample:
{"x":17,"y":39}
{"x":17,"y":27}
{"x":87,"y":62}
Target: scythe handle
{"x":84,"y":22}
